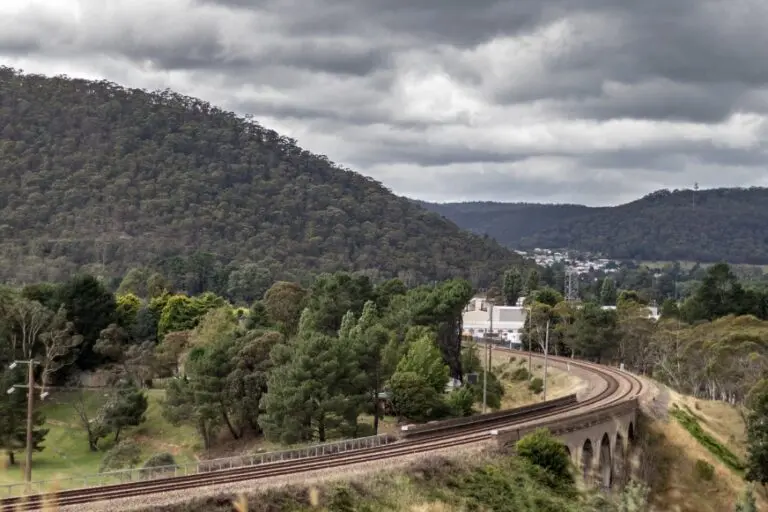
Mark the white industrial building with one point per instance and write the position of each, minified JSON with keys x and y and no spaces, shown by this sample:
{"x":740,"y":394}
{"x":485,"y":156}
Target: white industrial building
{"x":508,"y":321}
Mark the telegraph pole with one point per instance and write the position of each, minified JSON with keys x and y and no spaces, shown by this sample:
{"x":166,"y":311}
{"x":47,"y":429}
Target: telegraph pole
{"x":530,"y":347}
{"x":546,"y":352}
{"x":487,"y":357}
{"x":30,"y":409}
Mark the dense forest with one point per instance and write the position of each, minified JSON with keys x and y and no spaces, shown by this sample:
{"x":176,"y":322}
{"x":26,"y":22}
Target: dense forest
{"x":99,"y":178}
{"x":706,"y":226}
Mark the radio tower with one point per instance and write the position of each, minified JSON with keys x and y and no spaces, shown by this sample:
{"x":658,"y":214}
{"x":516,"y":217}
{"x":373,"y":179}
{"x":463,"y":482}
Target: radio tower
{"x":571,"y":285}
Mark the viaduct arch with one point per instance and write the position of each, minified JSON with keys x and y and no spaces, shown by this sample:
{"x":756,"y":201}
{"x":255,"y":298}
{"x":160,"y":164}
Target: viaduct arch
{"x":599,"y":443}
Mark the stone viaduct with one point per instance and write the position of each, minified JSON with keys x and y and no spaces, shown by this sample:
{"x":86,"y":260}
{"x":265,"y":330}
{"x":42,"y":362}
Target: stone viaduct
{"x":599,"y":442}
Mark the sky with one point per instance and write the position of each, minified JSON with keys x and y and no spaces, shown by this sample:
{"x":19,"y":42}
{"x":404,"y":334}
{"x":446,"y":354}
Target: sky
{"x":580,"y":101}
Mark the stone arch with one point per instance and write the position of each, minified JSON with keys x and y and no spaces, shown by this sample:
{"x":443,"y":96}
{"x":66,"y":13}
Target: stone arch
{"x":619,"y":461}
{"x":587,"y":457}
{"x":604,"y":463}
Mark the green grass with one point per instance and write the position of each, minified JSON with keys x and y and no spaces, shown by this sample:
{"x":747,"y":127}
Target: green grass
{"x":65,"y":451}
{"x":690,"y":423}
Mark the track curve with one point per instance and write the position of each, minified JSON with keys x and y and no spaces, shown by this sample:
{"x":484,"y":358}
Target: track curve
{"x":608,"y":386}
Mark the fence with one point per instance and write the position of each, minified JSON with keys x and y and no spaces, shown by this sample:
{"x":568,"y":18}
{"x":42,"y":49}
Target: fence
{"x":203,"y":466}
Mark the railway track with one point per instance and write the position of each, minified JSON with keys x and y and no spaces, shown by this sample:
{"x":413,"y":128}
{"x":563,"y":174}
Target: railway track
{"x":617,"y":386}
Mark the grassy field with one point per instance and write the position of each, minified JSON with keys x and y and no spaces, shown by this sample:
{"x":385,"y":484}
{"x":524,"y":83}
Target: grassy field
{"x":66,"y":452}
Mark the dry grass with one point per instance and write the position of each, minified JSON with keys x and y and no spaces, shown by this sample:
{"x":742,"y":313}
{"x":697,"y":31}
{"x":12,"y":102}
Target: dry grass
{"x":516,"y":393}
{"x":681,"y":489}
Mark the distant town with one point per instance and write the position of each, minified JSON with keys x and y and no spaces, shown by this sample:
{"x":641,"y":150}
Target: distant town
{"x":582,"y":263}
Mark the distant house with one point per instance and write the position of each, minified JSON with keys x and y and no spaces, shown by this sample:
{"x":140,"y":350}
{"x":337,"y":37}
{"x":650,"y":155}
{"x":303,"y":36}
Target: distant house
{"x":508,"y":321}
{"x":653,"y":311}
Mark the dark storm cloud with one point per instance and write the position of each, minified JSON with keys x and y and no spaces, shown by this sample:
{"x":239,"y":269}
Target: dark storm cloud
{"x":531,"y":99}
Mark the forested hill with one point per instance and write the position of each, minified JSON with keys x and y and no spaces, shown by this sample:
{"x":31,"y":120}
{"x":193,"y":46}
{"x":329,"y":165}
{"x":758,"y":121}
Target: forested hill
{"x":728,"y":224}
{"x":97,"y":177}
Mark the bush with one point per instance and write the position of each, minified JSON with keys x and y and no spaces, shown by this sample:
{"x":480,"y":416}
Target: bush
{"x":704,"y":470}
{"x":542,"y":449}
{"x":519,"y":374}
{"x":536,"y":385}
{"x":124,"y":455}
{"x":159,"y":460}
{"x":460,"y":402}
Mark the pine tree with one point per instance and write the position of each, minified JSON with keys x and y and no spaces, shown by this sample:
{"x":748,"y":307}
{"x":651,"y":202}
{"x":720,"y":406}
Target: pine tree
{"x":608,"y":294}
{"x":13,"y":418}
{"x":532,"y":283}
{"x":512,"y":287}
{"x":312,"y":392}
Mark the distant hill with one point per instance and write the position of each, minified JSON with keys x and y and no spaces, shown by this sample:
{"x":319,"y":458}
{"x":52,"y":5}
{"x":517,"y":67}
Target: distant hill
{"x":97,"y":177}
{"x":728,"y":224}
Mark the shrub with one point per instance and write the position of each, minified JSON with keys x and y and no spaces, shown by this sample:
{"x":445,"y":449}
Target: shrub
{"x":536,"y":385}
{"x":460,"y":402}
{"x":704,"y":470}
{"x":544,"y":450}
{"x":519,"y":374}
{"x":124,"y":455}
{"x":159,"y":460}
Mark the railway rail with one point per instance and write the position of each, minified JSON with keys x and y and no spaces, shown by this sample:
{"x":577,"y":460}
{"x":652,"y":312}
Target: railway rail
{"x":617,"y":386}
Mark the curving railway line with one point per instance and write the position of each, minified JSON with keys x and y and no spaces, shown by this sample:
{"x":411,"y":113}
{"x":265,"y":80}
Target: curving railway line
{"x":610,"y":386}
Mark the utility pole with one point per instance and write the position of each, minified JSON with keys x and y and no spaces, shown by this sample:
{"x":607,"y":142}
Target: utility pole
{"x":546,"y":352}
{"x":487,"y":357}
{"x":30,"y":409}
{"x":530,"y":347}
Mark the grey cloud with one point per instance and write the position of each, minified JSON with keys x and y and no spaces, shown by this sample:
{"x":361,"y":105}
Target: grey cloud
{"x":335,"y":71}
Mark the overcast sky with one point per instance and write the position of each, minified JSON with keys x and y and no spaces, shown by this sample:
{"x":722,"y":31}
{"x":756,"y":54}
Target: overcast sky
{"x":588,"y":101}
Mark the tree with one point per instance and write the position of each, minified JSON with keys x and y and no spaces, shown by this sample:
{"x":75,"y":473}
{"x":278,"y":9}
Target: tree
{"x":134,"y":282}
{"x":58,"y":345}
{"x":169,"y":351}
{"x":513,"y":286}
{"x":125,"y":409}
{"x":95,"y":427}
{"x":309,"y":390}
{"x":608,"y":294}
{"x":28,"y":318}
{"x":367,"y":340}
{"x":332,"y":295}
{"x":258,"y":316}
{"x":246,"y":384}
{"x":669,"y":309}
{"x":424,"y":359}
{"x":544,"y":450}
{"x":13,"y":418}
{"x":248,"y":282}
{"x":127,"y":309}
{"x":180,"y":313}
{"x":91,"y":308}
{"x":532,"y":282}
{"x":413,"y":396}
{"x":757,"y":434}
{"x":284,"y":302}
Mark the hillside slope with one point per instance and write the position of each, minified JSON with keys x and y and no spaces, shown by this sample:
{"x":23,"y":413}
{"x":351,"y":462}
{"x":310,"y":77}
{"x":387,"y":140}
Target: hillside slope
{"x":96,"y":176}
{"x":724,"y":224}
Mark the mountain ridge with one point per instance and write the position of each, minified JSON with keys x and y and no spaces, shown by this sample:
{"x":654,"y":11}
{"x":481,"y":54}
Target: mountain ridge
{"x":102,"y":178}
{"x":707,"y":225}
